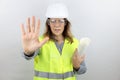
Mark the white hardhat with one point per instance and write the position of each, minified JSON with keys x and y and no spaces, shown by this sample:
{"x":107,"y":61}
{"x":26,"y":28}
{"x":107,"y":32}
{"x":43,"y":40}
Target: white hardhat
{"x":58,"y":10}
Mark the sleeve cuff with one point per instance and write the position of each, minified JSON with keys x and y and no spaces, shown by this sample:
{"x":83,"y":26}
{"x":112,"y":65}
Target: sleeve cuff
{"x":81,"y":70}
{"x":28,"y":57}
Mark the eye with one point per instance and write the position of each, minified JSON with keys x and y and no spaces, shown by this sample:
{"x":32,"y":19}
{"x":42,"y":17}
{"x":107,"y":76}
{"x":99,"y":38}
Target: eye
{"x":53,"y":21}
{"x":62,"y":21}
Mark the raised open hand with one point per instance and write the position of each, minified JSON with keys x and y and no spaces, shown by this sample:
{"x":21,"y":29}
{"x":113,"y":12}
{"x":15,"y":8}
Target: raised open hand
{"x":30,"y":36}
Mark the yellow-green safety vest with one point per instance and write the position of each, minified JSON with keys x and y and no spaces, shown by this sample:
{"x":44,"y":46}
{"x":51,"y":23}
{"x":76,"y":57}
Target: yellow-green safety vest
{"x":49,"y":64}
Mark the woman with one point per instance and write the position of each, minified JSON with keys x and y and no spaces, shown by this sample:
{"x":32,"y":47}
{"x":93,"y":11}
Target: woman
{"x":55,"y":53}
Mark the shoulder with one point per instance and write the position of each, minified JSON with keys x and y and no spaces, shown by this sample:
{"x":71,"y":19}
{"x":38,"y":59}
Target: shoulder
{"x":74,"y":43}
{"x":75,"y":40}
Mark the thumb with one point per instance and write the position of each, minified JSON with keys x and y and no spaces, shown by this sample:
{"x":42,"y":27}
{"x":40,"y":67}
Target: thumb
{"x":43,"y":41}
{"x":83,"y":56}
{"x":75,"y":52}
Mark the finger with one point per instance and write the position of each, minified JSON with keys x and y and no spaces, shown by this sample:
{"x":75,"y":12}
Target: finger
{"x":33,"y":24}
{"x":22,"y":29}
{"x":43,"y":41}
{"x":82,"y":57}
{"x":38,"y":27}
{"x":28,"y":25}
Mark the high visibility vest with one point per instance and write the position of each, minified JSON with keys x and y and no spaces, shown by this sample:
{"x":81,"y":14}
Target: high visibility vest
{"x":49,"y":64}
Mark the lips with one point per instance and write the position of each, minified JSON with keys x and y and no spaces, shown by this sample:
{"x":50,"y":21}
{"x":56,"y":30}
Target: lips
{"x":57,"y":30}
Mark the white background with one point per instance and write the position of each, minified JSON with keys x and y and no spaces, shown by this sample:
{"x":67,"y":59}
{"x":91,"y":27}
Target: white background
{"x":96,"y":19}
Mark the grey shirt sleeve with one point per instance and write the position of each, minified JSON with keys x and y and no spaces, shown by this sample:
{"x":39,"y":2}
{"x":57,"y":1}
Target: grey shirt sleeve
{"x":82,"y":69}
{"x":28,"y":57}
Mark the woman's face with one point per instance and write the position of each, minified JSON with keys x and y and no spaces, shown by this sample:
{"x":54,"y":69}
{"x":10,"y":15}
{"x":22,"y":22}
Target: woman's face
{"x":57,"y":26}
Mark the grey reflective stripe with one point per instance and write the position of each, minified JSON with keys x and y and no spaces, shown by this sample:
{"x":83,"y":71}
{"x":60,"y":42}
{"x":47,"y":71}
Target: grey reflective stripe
{"x":54,"y":75}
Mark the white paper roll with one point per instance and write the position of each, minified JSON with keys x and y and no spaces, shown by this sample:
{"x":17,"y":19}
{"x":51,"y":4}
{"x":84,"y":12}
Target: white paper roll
{"x":84,"y":43}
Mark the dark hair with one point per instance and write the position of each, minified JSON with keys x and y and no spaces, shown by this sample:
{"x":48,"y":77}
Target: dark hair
{"x":66,"y":33}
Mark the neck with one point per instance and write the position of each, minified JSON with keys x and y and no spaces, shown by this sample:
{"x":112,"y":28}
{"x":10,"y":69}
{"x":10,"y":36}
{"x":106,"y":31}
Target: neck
{"x":59,"y":39}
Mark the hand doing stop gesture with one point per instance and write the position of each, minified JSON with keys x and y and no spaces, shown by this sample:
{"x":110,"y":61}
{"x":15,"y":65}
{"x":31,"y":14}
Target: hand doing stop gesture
{"x":30,"y":36}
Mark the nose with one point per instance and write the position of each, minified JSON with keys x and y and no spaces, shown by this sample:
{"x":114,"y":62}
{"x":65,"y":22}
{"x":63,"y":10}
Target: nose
{"x":57,"y":24}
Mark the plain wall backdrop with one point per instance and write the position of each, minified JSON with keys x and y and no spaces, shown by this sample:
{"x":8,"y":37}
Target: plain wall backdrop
{"x":97,"y":19}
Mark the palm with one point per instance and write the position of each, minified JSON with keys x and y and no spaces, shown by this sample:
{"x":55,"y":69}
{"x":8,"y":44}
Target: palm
{"x":30,"y":39}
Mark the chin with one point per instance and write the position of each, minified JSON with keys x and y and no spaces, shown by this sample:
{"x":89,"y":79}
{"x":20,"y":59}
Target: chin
{"x":57,"y":34}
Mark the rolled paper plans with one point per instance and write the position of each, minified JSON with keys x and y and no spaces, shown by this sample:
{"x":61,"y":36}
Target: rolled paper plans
{"x":83,"y":44}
